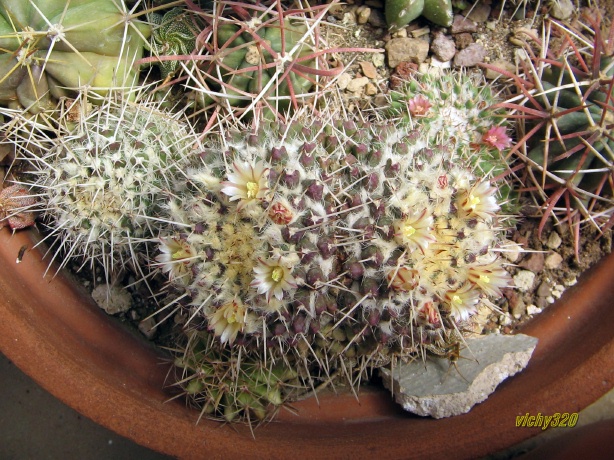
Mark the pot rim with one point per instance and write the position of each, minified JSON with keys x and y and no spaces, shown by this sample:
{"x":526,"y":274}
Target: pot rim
{"x":106,"y":372}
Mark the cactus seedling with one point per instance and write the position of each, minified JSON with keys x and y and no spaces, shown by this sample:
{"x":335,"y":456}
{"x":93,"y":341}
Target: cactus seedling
{"x":565,"y":111}
{"x":50,"y":47}
{"x":103,"y":178}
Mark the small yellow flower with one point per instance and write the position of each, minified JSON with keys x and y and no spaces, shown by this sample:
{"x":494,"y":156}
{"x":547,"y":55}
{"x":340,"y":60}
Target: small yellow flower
{"x":414,"y":231}
{"x":402,"y":279}
{"x":175,"y":257}
{"x":490,"y":277}
{"x":247,"y":184}
{"x":230,"y":319}
{"x":479,"y":201}
{"x":273,"y":276}
{"x":462,"y":302}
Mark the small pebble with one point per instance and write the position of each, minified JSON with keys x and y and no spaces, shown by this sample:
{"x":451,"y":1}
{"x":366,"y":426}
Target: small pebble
{"x":512,"y":251}
{"x":112,"y":299}
{"x":470,"y":56}
{"x":544,"y":289}
{"x":533,"y":310}
{"x":420,"y":32}
{"x":523,"y":280}
{"x":533,"y":262}
{"x":553,"y":261}
{"x":557,"y":290}
{"x":370,"y":89}
{"x":479,"y":12}
{"x":503,"y":65}
{"x":406,"y":50}
{"x":357,"y":84}
{"x":378,"y":60}
{"x":147,"y":328}
{"x":554,"y":240}
{"x":344,"y":80}
{"x":462,"y":24}
{"x":362,"y":14}
{"x":463,"y":40}
{"x":368,"y":69}
{"x":443,"y":47}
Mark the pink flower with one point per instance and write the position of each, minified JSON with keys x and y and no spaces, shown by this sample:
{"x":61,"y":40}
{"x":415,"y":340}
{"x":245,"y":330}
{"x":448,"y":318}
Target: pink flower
{"x":419,"y":106}
{"x":497,"y":138}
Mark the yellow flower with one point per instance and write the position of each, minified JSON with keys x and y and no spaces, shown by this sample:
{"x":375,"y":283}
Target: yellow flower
{"x":175,"y":257}
{"x":414,"y":231}
{"x":230,"y":319}
{"x":490,"y":277}
{"x":247,"y":184}
{"x":479,"y":201}
{"x":462,"y":302}
{"x":273,"y":276}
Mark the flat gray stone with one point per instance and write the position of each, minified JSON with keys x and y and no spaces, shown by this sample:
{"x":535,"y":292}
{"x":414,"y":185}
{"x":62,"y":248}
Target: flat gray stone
{"x":436,"y":389}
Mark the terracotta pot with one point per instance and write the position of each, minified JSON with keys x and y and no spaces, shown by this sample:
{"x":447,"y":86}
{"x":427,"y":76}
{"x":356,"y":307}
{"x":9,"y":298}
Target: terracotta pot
{"x":55,"y":334}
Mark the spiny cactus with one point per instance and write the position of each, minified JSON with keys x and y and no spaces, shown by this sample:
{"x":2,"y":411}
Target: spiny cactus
{"x":399,"y":13}
{"x":103,"y":174}
{"x":50,"y":47}
{"x":173,"y":34}
{"x":233,"y":385}
{"x":247,"y":57}
{"x":334,"y":245}
{"x":457,"y":109}
{"x":566,"y":114}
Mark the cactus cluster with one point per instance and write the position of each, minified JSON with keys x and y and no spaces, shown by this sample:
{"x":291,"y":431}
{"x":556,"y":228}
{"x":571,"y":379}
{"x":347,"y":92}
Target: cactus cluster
{"x":244,"y":58}
{"x":334,"y":246}
{"x":565,"y":109}
{"x":102,"y":180}
{"x":49,"y":48}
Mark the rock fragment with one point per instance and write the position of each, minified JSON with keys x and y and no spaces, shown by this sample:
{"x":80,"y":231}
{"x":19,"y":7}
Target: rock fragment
{"x":553,"y":260}
{"x":470,"y":56}
{"x":112,"y":299}
{"x":406,"y":50}
{"x":443,"y":47}
{"x":523,"y":280}
{"x":462,"y":24}
{"x":438,"y":390}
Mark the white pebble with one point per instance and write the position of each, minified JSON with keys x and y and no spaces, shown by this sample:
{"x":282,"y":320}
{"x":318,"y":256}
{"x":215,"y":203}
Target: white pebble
{"x":533,"y":310}
{"x":344,"y":80}
{"x":554,"y":240}
{"x":112,"y":299}
{"x":523,"y":280}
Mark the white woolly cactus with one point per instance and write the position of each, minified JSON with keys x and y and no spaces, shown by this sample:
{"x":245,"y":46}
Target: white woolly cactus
{"x":335,"y":245}
{"x":103,"y":175}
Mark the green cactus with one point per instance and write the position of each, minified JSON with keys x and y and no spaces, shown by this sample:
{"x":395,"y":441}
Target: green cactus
{"x":173,"y":34}
{"x":261,"y":58}
{"x":231,"y":386}
{"x":566,"y":117}
{"x":399,"y":13}
{"x":50,"y":47}
{"x":337,"y":245}
{"x":102,"y":176}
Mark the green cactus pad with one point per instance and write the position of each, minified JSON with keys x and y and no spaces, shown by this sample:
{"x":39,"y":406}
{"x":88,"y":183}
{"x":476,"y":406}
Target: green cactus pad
{"x":50,"y":47}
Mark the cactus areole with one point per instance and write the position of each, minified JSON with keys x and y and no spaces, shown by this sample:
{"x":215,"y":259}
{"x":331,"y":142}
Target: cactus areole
{"x":48,"y":47}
